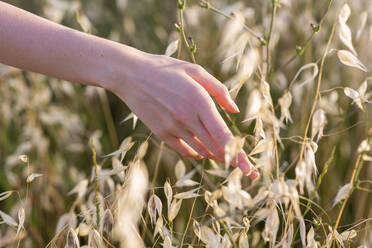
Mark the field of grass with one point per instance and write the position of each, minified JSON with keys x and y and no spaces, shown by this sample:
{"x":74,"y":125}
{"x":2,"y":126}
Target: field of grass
{"x":78,"y":170}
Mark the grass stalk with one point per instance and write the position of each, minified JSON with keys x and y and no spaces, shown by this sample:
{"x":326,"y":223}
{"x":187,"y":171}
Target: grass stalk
{"x":96,"y":183}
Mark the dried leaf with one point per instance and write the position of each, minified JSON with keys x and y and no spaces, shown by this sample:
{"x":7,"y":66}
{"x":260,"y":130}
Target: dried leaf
{"x":362,"y":24}
{"x":348,"y":235}
{"x":180,"y":169}
{"x":172,"y":48}
{"x":262,"y":145}
{"x":125,"y":146}
{"x":72,"y":240}
{"x":358,"y":96}
{"x":285,"y":102}
{"x":186,"y":180}
{"x":7,"y":219}
{"x":168,"y":243}
{"x":265,"y":91}
{"x":345,"y":37}
{"x":31,"y":177}
{"x":5,"y":195}
{"x":174,"y":209}
{"x":302,"y":230}
{"x":364,"y":146}
{"x":158,"y":226}
{"x":342,"y":193}
{"x":349,"y":59}
{"x":271,"y":226}
{"x":353,"y":94}
{"x":107,"y":222}
{"x":131,"y":116}
{"x":310,"y":79}
{"x":243,"y":240}
{"x":21,"y":219}
{"x":80,"y":189}
{"x":168,"y":193}
{"x":23,"y":158}
{"x":344,"y":13}
{"x":311,"y":243}
{"x":142,"y":150}
{"x":95,"y":239}
{"x":187,"y":194}
{"x":154,"y":206}
{"x":318,"y":123}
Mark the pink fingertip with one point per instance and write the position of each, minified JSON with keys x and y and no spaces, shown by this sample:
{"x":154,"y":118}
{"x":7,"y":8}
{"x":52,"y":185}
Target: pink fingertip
{"x":250,"y":171}
{"x":254,"y":175}
{"x":246,"y":169}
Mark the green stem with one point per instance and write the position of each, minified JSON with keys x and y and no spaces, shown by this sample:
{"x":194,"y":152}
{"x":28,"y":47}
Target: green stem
{"x":248,"y":29}
{"x":272,"y":23}
{"x":228,"y":233}
{"x":182,"y":29}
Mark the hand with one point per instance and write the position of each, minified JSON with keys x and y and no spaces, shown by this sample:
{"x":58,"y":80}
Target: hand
{"x":172,"y":98}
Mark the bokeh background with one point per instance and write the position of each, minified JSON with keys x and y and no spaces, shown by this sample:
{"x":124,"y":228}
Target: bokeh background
{"x":53,"y":121}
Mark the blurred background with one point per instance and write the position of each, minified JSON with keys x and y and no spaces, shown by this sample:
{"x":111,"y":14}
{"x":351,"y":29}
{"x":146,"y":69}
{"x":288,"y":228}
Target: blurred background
{"x":52,"y":121}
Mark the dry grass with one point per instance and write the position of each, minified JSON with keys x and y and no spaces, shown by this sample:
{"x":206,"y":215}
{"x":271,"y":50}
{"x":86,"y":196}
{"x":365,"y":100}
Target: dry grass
{"x":300,"y":69}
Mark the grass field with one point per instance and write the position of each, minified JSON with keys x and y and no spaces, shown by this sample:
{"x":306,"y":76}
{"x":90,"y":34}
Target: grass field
{"x":74,"y":174}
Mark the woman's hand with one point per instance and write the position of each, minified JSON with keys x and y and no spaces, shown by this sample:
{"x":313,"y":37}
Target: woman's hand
{"x":172,"y":98}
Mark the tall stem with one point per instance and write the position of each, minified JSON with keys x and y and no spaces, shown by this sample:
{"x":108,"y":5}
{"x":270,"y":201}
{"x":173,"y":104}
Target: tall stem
{"x":272,"y":23}
{"x":97,"y":202}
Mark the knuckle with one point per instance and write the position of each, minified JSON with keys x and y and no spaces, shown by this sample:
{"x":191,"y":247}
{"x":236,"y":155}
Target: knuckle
{"x":182,"y":116}
{"x":172,"y":126}
{"x":162,"y":134}
{"x":195,"y":69}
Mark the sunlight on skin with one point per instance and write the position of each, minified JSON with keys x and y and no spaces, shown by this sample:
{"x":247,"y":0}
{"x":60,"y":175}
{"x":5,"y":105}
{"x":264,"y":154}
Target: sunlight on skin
{"x":170,"y":96}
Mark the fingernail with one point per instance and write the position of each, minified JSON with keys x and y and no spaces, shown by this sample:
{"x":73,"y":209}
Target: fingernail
{"x":246,"y":169}
{"x":250,"y":171}
{"x":234,"y":105}
{"x":199,"y":156}
{"x":254,"y":175}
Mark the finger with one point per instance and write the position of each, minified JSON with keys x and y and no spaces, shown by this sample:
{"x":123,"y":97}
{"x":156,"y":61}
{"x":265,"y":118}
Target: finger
{"x":214,"y":88}
{"x":246,"y":166}
{"x":216,"y":126}
{"x":203,"y":135}
{"x":195,"y":143}
{"x":181,"y":147}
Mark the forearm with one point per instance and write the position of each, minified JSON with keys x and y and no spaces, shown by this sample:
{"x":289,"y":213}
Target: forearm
{"x":35,"y":44}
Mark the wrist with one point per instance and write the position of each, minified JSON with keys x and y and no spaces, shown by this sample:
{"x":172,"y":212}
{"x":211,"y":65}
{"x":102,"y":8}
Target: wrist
{"x":119,"y":65}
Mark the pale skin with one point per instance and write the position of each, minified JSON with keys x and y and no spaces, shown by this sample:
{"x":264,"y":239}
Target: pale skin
{"x":171,"y":97}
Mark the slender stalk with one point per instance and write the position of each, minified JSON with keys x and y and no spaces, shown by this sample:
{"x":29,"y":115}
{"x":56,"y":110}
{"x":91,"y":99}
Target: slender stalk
{"x":275,"y":4}
{"x":108,"y":118}
{"x":153,"y":185}
{"x":354,"y":181}
{"x":228,"y":233}
{"x":182,"y":30}
{"x":103,"y":98}
{"x":192,"y":210}
{"x":313,"y":106}
{"x":97,"y":202}
{"x":317,"y":94}
{"x":302,"y":49}
{"x":207,"y":5}
{"x":319,"y":181}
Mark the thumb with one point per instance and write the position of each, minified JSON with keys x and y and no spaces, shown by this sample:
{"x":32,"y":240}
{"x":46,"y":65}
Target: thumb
{"x":214,"y":88}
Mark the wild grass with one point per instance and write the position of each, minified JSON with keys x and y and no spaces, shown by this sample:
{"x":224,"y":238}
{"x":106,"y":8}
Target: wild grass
{"x":299,"y":71}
